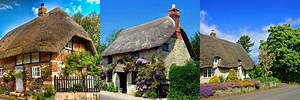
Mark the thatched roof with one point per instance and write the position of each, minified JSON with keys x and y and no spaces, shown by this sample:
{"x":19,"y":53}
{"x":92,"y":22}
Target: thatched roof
{"x":48,"y":33}
{"x":229,"y":53}
{"x":145,"y":36}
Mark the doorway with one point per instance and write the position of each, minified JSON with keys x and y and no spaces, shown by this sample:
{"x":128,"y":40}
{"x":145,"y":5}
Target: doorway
{"x":123,"y":82}
{"x":19,"y":81}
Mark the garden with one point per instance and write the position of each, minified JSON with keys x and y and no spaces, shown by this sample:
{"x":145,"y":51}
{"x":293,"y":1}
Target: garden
{"x":219,"y":86}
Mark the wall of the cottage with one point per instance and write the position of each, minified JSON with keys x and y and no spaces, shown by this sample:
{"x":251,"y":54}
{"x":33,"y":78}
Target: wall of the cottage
{"x":7,"y":64}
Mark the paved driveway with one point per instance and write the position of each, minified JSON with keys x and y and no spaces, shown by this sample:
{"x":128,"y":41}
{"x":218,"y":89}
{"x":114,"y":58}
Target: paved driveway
{"x":284,"y":92}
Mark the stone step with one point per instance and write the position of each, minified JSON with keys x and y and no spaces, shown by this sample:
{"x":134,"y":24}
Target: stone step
{"x":14,"y":94}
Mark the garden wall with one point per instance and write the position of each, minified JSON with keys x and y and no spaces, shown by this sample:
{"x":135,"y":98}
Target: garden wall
{"x":77,"y":96}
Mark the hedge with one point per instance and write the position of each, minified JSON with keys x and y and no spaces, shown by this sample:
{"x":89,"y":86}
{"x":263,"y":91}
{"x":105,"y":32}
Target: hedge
{"x":184,"y":82}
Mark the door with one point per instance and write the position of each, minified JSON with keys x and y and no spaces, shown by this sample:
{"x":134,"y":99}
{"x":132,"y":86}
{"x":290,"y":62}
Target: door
{"x":123,"y":82}
{"x":19,"y":81}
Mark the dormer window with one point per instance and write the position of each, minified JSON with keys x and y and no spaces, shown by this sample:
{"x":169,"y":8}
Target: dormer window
{"x":215,"y":60}
{"x":69,"y":45}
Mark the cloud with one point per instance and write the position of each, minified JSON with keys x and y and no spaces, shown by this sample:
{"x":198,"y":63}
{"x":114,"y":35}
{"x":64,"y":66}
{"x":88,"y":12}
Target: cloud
{"x":92,"y":1}
{"x":5,"y":7}
{"x":76,"y":9}
{"x":67,"y":10}
{"x":35,"y":10}
{"x":16,"y":4}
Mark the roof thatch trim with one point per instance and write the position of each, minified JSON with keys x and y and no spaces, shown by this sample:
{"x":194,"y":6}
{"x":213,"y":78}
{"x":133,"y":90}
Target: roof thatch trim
{"x":229,"y":53}
{"x":142,"y":37}
{"x":48,"y":33}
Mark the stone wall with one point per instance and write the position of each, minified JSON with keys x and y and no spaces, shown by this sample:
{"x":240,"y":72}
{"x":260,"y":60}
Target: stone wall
{"x":77,"y":96}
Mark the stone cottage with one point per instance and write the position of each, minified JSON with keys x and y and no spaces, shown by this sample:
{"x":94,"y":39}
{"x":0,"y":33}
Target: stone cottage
{"x":163,"y":37}
{"x":42,"y":42}
{"x":217,"y":56}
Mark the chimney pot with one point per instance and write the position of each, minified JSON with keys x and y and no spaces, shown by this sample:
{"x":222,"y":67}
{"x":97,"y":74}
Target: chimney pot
{"x":42,"y":10}
{"x":213,"y":33}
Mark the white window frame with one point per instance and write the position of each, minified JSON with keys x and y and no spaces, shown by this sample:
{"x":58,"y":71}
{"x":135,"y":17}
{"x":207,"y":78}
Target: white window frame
{"x":1,"y":72}
{"x":34,"y":72}
{"x":215,"y":60}
{"x":208,"y":72}
{"x":69,"y":45}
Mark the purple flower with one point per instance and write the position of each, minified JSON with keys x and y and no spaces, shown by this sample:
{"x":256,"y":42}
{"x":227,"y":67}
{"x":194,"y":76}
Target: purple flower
{"x":143,"y":81}
{"x":144,"y":62}
{"x":145,"y":87}
{"x":139,"y":61}
{"x":206,"y":91}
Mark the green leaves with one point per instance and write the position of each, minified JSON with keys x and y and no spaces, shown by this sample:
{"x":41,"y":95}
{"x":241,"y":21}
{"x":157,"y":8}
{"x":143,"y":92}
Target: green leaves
{"x":245,"y":42}
{"x":195,"y":42}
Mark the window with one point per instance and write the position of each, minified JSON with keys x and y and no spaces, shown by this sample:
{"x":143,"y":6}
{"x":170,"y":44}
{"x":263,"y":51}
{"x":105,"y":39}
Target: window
{"x":165,"y":47}
{"x":135,"y":54}
{"x":36,"y":72}
{"x":237,"y":73}
{"x":35,"y":57}
{"x":109,"y":76}
{"x":26,"y":58}
{"x":215,"y":60}
{"x":133,"y":77}
{"x":1,"y":72}
{"x":19,"y":60}
{"x":208,"y":72}
{"x":69,"y":45}
{"x":110,"y":59}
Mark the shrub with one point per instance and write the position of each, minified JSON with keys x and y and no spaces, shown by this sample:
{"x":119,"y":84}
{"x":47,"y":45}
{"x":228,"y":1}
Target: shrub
{"x":256,"y":72}
{"x":222,"y":80}
{"x":247,"y":78}
{"x":111,"y":87}
{"x":214,"y":79}
{"x":184,"y":81}
{"x":153,"y":95}
{"x":206,"y":92}
{"x":138,"y":94}
{"x":268,"y":79}
{"x":232,"y":77}
{"x":2,"y":91}
{"x":247,"y":83}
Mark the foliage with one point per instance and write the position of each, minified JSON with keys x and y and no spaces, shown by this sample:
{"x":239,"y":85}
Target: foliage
{"x":46,"y":72}
{"x":222,"y":80}
{"x":266,"y":59}
{"x":2,"y":91}
{"x":111,"y":87}
{"x":8,"y":75}
{"x":50,"y":92}
{"x":206,"y":92}
{"x":256,"y":72}
{"x":91,"y":24}
{"x":153,"y":95}
{"x":184,"y":81}
{"x":284,"y":41}
{"x":267,"y":79}
{"x":247,"y":83}
{"x":151,"y":75}
{"x":232,"y":77}
{"x":113,"y":36}
{"x":195,"y":42}
{"x":17,"y":74}
{"x":245,"y":42}
{"x":80,"y":63}
{"x":222,"y":86}
{"x":138,"y":94}
{"x":214,"y":79}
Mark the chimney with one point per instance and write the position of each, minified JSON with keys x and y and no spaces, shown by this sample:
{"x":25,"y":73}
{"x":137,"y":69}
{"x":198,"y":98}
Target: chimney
{"x":174,"y":14}
{"x":213,"y":33}
{"x":42,"y":10}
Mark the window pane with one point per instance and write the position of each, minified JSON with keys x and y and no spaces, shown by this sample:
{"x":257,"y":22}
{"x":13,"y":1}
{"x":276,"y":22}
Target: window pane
{"x":19,"y":60}
{"x":35,"y":57}
{"x":205,"y":72}
{"x":26,"y":58}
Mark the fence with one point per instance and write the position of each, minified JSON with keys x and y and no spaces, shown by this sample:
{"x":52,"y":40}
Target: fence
{"x":77,"y":84}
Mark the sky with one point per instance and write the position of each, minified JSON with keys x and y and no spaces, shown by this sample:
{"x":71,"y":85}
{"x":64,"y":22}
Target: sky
{"x":14,"y":13}
{"x":123,"y":14}
{"x":234,"y":18}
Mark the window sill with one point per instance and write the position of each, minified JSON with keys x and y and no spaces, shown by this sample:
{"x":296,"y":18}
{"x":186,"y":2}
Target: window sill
{"x":36,"y":76}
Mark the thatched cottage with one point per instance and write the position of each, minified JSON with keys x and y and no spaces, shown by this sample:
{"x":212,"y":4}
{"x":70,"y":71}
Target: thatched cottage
{"x":217,"y":56}
{"x":42,"y":42}
{"x":163,"y":37}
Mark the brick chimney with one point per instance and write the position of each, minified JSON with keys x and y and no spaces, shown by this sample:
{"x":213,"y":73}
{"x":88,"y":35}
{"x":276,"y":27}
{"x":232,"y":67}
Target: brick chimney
{"x":42,"y":10}
{"x":174,"y":14}
{"x":213,"y":33}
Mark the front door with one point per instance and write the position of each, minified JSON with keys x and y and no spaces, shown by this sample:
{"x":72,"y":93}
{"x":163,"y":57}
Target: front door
{"x":123,"y":82}
{"x":19,"y":81}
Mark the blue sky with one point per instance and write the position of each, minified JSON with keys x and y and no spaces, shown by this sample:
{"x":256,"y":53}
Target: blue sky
{"x":234,"y":18}
{"x":123,"y":14}
{"x":17,"y":12}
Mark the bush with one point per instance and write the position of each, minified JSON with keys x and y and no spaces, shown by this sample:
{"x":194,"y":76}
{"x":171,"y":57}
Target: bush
{"x":111,"y":87}
{"x":222,"y":86}
{"x":184,"y":81}
{"x":214,"y":79}
{"x":2,"y":91}
{"x":206,"y":92}
{"x":153,"y":95}
{"x":222,"y":80}
{"x":232,"y":77}
{"x":138,"y":94}
{"x":50,"y":92}
{"x":268,"y":79}
{"x":256,"y":72}
{"x":247,"y":83}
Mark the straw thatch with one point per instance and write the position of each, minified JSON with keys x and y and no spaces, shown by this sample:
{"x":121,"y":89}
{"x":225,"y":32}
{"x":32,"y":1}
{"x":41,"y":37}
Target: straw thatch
{"x":48,"y":33}
{"x":229,"y":53}
{"x":145,"y":36}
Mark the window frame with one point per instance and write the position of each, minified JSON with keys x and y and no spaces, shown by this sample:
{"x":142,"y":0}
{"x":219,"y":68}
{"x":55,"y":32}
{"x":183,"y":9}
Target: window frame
{"x":33,"y":71}
{"x":135,"y":54}
{"x":208,"y":72}
{"x":215,"y":60}
{"x":69,"y":45}
{"x":165,"y":47}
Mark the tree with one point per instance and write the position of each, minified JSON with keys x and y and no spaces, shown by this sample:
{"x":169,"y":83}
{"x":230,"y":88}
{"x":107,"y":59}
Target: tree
{"x":80,"y":63}
{"x":284,"y":43}
{"x":245,"y":42}
{"x":266,"y":59}
{"x":91,"y":24}
{"x":112,"y":37}
{"x":195,"y":41}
